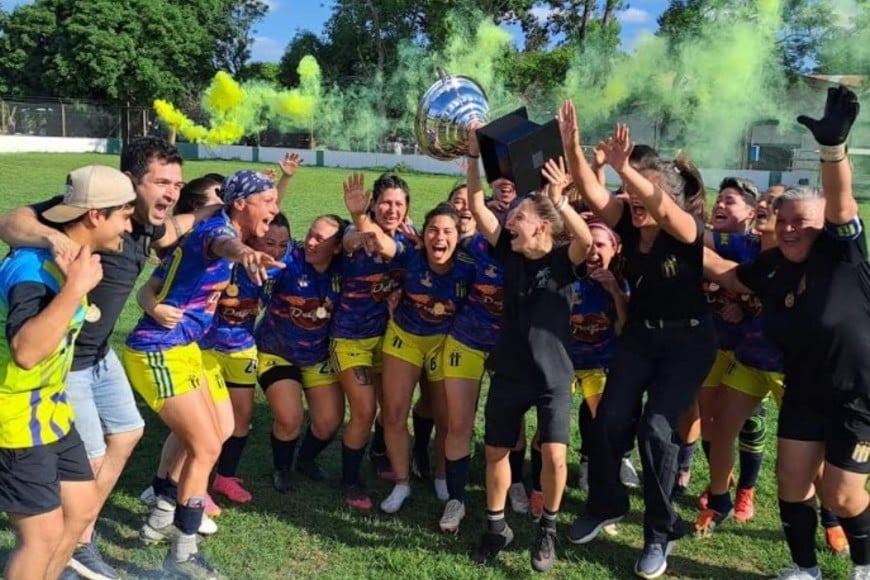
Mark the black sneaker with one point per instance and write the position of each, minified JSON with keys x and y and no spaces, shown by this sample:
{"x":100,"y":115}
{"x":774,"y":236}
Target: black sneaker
{"x":653,"y":561}
{"x":586,"y":528}
{"x":282,"y":481}
{"x":68,"y":574}
{"x":87,"y":561}
{"x":544,"y":549}
{"x":490,"y":544}
{"x":196,"y":567}
{"x":312,"y":470}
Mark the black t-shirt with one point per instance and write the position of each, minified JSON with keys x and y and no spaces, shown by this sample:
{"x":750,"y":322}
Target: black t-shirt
{"x":665,"y":282}
{"x":120,"y":271}
{"x":818,"y":311}
{"x":535,"y":336}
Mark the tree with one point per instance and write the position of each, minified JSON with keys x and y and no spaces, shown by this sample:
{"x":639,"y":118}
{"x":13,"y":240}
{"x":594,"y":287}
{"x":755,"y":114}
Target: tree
{"x":304,"y":43}
{"x":233,"y":45}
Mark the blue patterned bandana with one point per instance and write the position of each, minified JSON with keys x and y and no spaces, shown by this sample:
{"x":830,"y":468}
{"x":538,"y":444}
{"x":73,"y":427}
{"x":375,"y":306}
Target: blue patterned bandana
{"x":242,"y":184}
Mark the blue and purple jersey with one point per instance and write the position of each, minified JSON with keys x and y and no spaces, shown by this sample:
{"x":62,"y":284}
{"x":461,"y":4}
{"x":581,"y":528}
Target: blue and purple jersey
{"x":593,"y":325}
{"x":738,"y":248}
{"x":366,"y":285}
{"x":296,"y":324}
{"x":192,"y":280}
{"x":429,"y":300}
{"x":478,"y":323}
{"x":233,"y":327}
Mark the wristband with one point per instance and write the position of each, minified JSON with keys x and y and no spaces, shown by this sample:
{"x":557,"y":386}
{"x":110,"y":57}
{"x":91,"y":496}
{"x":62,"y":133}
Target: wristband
{"x":562,"y":203}
{"x":832,"y":153}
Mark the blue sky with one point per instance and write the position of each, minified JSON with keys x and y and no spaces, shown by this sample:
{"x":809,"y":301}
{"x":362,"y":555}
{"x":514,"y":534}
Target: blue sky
{"x":286,"y":17}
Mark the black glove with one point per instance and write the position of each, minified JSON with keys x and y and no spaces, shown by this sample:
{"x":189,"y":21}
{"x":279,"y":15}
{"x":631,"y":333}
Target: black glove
{"x":841,"y":109}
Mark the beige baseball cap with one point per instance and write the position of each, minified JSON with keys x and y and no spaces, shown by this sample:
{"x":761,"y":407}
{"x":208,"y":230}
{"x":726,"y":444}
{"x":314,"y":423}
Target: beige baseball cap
{"x":91,"y":187}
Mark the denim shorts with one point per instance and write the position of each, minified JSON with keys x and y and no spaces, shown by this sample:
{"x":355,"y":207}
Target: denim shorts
{"x":103,"y":403}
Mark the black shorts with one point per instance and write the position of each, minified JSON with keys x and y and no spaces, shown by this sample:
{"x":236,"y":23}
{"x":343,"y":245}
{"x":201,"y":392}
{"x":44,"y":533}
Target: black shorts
{"x":840,"y":419}
{"x":507,"y":403}
{"x":30,"y":478}
{"x":280,"y":373}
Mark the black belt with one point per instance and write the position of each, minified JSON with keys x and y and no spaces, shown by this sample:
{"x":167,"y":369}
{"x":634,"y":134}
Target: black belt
{"x":661,"y":323}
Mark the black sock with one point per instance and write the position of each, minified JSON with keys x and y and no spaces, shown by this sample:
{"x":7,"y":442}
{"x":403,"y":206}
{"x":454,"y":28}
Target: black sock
{"x":720,"y":503}
{"x":685,"y":456}
{"x":311,"y":446}
{"x":350,"y":462}
{"x":495,"y":522}
{"x":858,"y":533}
{"x":457,"y":477}
{"x":829,"y":519}
{"x":548,"y":520}
{"x":584,"y":421}
{"x":166,"y":488}
{"x":516,"y":458}
{"x":799,"y":522}
{"x":188,"y":517}
{"x":537,"y":466}
{"x":231,"y":455}
{"x":378,"y":446}
{"x":423,"y":427}
{"x":282,"y":453}
{"x":750,"y":467}
{"x":705,"y":445}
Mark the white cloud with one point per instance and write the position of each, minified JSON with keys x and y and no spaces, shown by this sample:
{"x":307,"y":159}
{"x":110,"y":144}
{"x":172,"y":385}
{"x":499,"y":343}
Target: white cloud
{"x":265,"y":49}
{"x":542,"y":13}
{"x":271,"y":5}
{"x":633,"y":16}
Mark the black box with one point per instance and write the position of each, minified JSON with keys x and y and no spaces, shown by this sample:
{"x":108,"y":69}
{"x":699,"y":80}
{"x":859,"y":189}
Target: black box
{"x":515,"y":148}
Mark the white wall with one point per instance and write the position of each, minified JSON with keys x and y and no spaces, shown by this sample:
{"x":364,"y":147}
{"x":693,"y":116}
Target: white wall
{"x":347,"y":159}
{"x":31,"y":144}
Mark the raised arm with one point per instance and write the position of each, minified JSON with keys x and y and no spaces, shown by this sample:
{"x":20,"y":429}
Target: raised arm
{"x":357,"y":200}
{"x":487,"y":222}
{"x":39,"y":336}
{"x":596,"y":196}
{"x":831,"y":133}
{"x":723,"y":272}
{"x":663,"y":208}
{"x":21,"y":228}
{"x":289,"y":165}
{"x":581,"y":237}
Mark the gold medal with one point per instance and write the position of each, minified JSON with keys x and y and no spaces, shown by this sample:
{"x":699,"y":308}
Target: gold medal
{"x":438,"y":309}
{"x":232,"y":291}
{"x":789,"y":300}
{"x":93,"y":313}
{"x":320,"y":313}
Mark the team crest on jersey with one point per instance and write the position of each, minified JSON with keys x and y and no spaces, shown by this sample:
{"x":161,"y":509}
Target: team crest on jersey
{"x":861,"y":452}
{"x":426,"y":280}
{"x":491,"y":271}
{"x":789,"y":300}
{"x":303,"y":281}
{"x":669,"y":267}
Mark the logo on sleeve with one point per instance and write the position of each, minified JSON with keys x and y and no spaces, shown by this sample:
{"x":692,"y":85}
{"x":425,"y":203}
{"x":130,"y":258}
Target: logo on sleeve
{"x":669,"y":267}
{"x":861,"y":452}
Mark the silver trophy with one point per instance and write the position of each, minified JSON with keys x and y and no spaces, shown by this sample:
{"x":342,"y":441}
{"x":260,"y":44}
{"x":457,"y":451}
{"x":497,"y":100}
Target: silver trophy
{"x":444,"y":114}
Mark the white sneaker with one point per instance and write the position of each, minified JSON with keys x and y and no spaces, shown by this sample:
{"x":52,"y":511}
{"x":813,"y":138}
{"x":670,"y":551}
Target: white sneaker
{"x":519,"y":498}
{"x":394,"y":501}
{"x":628,"y":474}
{"x":207,"y":527}
{"x":454,"y":511}
{"x":441,"y":489}
{"x":795,"y":572}
{"x":148,"y":497}
{"x":583,"y":477}
{"x":860,"y":572}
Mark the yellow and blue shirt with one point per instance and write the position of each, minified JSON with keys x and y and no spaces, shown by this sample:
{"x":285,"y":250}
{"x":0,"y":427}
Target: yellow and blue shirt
{"x":34,"y":409}
{"x":192,"y":279}
{"x":477,"y":325}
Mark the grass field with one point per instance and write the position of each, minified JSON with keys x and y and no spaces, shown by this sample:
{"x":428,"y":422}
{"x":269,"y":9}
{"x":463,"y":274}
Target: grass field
{"x":309,"y":533}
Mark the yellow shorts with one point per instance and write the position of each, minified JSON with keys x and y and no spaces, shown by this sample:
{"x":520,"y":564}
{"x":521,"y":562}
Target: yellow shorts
{"x":237,"y":368}
{"x":214,"y":374}
{"x":590,"y":382}
{"x":421,"y":351}
{"x":462,"y":362}
{"x":724,"y":358}
{"x":161,"y":375}
{"x":348,"y":353}
{"x":310,"y":377}
{"x":754,"y":382}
